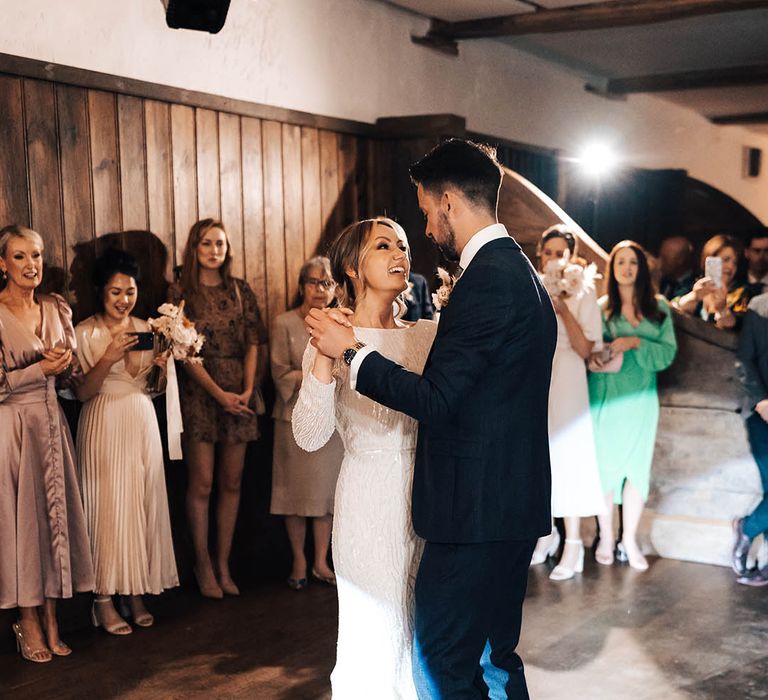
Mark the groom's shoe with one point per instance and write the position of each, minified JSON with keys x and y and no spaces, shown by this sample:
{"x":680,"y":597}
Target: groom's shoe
{"x":741,"y":545}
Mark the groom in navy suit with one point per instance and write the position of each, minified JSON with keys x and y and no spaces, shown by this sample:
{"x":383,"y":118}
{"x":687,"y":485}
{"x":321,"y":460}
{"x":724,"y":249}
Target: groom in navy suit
{"x":481,"y":487}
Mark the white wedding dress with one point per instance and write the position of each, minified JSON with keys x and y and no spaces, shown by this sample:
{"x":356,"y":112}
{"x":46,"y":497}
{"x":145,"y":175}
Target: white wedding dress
{"x":375,"y":550}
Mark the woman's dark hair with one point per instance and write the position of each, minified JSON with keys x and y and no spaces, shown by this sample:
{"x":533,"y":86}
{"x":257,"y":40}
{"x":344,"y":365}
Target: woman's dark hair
{"x":558,"y":231}
{"x":470,"y":167}
{"x":111,"y":262}
{"x":645,"y":293}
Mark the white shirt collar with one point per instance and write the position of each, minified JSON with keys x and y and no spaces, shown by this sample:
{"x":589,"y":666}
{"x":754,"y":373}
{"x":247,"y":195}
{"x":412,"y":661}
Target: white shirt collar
{"x":753,"y":280}
{"x":483,"y":236}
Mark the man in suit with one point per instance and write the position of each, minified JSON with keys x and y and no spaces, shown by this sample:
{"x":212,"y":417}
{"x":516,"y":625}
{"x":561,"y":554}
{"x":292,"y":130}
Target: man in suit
{"x":418,"y":302}
{"x":481,"y":491}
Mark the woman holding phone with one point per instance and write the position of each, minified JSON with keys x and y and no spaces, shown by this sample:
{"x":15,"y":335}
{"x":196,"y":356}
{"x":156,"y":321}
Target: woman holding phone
{"x":718,"y":297}
{"x":44,"y":552}
{"x":119,"y":451}
{"x":638,"y":329}
{"x":219,"y":399}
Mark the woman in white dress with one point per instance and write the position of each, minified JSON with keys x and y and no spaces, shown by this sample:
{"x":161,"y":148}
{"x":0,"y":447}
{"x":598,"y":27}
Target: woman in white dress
{"x":119,"y":451}
{"x":375,"y":550}
{"x":576,"y":489}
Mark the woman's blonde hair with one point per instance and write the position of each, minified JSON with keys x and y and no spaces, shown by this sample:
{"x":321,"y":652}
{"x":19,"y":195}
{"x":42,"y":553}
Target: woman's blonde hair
{"x":190,"y":267}
{"x":346,"y":253}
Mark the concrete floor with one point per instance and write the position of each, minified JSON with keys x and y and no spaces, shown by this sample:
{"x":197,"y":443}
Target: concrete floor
{"x":678,"y":631}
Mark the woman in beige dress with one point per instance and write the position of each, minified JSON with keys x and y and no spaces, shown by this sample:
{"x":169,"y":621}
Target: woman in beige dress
{"x":219,"y":399}
{"x":120,"y":456}
{"x":303,"y":483}
{"x":44,"y":551}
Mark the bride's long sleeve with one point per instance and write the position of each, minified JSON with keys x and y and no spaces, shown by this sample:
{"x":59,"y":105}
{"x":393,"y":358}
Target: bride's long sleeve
{"x":314,"y":415}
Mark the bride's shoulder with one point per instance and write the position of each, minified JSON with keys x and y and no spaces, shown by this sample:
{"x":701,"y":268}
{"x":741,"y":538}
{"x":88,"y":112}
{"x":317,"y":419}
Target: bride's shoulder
{"x":425,"y":327}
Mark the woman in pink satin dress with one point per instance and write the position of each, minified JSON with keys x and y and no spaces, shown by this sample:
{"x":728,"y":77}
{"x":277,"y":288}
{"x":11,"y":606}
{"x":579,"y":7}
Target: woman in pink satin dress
{"x":44,"y":550}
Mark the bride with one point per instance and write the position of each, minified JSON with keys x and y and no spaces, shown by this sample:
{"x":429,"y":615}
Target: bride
{"x":375,"y":549}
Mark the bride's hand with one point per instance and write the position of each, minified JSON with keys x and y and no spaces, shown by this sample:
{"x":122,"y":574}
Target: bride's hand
{"x":341,"y":315}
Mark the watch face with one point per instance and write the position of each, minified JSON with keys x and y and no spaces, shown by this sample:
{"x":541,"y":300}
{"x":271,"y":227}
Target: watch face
{"x":349,"y":355}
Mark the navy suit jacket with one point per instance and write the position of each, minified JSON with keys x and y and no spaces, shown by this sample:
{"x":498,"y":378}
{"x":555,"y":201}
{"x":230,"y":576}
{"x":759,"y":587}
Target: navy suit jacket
{"x":482,"y":469}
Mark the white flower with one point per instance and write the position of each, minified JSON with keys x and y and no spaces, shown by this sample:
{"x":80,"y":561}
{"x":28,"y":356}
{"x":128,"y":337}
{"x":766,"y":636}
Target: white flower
{"x":178,"y":332}
{"x":443,"y":294}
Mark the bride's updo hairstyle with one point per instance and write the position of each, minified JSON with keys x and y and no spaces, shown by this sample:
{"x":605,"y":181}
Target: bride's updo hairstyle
{"x":347,"y":253}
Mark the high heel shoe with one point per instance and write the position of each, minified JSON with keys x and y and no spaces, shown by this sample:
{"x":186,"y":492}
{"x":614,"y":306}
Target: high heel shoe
{"x":142,"y":618}
{"x":119,"y":629}
{"x":540,"y":556}
{"x":636,"y":560}
{"x":229,"y":587}
{"x":38,"y":656}
{"x":562,"y":572}
{"x":208,"y":590}
{"x":330,"y":580}
{"x":604,"y":559}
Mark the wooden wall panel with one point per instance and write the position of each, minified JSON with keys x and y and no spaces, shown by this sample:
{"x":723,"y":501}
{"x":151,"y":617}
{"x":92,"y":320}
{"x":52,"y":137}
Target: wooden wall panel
{"x":157,"y":127}
{"x":253,"y":210}
{"x":74,"y":152}
{"x":133,"y":163}
{"x":80,"y":162}
{"x":102,"y":121}
{"x":329,"y":184}
{"x":184,"y":175}
{"x":310,"y":186}
{"x":43,"y":168}
{"x":292,"y":207}
{"x":208,"y":193}
{"x":231,"y":178}
{"x":348,"y":192}
{"x":274,"y":224}
{"x":14,"y":190}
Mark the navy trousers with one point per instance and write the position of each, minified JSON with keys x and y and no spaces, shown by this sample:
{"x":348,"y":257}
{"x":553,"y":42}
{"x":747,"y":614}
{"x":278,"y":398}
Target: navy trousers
{"x":469,"y":603}
{"x":757,"y":430}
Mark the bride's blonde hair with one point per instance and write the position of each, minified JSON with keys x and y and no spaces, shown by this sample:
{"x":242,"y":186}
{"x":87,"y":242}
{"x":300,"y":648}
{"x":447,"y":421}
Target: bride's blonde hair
{"x":347,"y":253}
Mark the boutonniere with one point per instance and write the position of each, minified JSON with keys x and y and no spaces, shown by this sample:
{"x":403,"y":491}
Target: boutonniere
{"x":443,"y":294}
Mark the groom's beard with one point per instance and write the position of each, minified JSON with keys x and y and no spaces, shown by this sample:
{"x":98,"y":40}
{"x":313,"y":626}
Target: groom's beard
{"x":447,"y":245}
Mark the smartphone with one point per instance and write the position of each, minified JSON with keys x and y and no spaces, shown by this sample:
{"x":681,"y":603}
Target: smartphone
{"x":713,"y":268}
{"x":146,"y":341}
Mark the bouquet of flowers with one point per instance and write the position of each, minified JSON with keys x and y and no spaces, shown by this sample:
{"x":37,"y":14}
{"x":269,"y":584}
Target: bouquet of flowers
{"x":561,"y":276}
{"x":177,"y":334}
{"x":443,"y":294}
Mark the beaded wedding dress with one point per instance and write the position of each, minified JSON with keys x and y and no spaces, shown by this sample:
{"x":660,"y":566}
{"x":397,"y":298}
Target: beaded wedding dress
{"x":375,"y":550}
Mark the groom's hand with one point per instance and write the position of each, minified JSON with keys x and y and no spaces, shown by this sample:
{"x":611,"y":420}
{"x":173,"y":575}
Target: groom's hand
{"x":329,"y":336}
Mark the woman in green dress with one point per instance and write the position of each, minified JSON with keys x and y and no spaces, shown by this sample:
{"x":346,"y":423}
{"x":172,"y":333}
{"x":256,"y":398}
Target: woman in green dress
{"x":637,"y":324}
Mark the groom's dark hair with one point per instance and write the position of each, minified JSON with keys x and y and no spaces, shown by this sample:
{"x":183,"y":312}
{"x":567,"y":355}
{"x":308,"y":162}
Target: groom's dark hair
{"x":469,"y":167}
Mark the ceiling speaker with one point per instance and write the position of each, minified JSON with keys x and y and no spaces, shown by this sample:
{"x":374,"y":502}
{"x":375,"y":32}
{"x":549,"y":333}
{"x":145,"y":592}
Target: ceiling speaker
{"x":751,"y":162}
{"x":201,"y":15}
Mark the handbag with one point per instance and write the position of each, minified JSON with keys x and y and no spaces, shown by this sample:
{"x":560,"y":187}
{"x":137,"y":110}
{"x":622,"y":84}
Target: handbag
{"x":612,"y":366}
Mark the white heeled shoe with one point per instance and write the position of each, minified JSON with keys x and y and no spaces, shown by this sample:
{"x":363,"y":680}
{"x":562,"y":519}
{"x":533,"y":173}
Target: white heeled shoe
{"x":636,"y":560}
{"x":562,"y":572}
{"x":540,"y":556}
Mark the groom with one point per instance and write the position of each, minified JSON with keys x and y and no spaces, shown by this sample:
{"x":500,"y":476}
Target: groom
{"x":481,"y":486}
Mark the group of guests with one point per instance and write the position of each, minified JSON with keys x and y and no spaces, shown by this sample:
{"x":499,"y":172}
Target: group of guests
{"x":92,"y":514}
{"x":602,"y":422}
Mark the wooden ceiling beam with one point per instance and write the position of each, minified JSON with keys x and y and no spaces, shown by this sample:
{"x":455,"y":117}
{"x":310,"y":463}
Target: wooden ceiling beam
{"x":735,"y":76}
{"x":598,"y":15}
{"x":749,"y":118}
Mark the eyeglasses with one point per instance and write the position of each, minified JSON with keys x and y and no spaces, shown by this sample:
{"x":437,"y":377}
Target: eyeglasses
{"x":322,"y":284}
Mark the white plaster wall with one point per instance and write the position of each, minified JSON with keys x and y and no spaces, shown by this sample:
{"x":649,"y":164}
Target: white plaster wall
{"x":354,"y":59}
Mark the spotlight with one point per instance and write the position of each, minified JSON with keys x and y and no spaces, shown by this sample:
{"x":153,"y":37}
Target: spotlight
{"x":597,"y":159}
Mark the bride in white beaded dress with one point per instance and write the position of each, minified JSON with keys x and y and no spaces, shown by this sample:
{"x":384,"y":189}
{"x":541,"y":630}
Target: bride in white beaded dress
{"x":375,"y":550}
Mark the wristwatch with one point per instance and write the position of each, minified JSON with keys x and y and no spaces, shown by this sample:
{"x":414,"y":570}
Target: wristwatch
{"x":349,"y":354}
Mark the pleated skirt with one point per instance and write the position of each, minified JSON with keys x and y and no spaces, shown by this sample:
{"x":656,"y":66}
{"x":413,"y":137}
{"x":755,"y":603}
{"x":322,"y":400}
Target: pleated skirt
{"x":122,"y":480}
